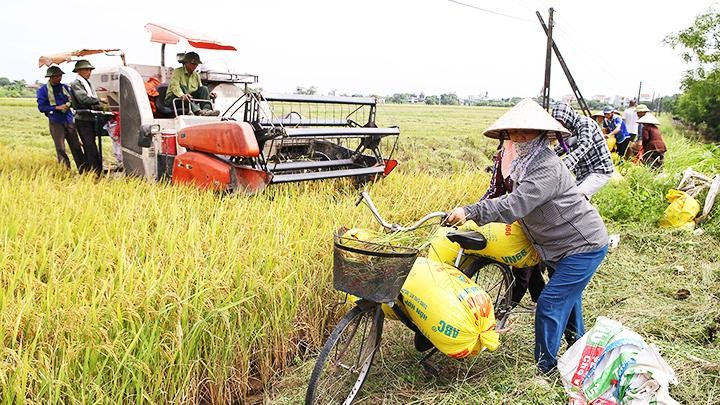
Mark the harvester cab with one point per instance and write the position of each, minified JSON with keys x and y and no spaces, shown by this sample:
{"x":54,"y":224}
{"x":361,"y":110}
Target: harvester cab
{"x":259,"y":138}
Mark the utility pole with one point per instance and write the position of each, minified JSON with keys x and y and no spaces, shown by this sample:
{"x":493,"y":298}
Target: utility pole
{"x":639,"y":88}
{"x":576,"y":91}
{"x":548,"y":62}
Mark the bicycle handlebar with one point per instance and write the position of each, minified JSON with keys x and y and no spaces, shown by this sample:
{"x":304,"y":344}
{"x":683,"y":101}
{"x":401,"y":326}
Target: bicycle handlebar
{"x":365,"y":198}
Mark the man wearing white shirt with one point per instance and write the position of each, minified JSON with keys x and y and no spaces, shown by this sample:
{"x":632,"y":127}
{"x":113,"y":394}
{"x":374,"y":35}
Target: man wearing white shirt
{"x":631,"y":117}
{"x":85,"y":98}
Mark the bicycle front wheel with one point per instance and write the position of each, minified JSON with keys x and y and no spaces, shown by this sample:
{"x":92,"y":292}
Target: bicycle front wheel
{"x":497,"y":280}
{"x":346,"y":357}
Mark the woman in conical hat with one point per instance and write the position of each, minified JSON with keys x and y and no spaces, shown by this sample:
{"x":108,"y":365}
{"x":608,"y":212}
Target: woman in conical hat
{"x":652,"y":141}
{"x":565,"y":229}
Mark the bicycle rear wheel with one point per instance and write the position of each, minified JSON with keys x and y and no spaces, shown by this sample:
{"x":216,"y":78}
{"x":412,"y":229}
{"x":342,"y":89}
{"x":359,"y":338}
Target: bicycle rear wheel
{"x":497,"y":280}
{"x":346,"y":357}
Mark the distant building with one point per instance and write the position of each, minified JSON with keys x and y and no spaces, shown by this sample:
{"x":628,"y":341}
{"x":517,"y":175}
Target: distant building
{"x":568,"y":98}
{"x":601,"y":98}
{"x":621,"y":101}
{"x":645,"y":97}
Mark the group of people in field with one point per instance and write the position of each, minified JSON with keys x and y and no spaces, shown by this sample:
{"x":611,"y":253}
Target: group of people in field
{"x":69,"y":109}
{"x":57,"y":101}
{"x":548,"y":167}
{"x":634,"y":135}
{"x":548,"y":195}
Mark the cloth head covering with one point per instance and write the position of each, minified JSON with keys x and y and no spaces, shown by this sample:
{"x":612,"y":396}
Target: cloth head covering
{"x":526,"y":153}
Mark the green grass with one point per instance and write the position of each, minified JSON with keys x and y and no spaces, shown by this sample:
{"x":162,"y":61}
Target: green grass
{"x":120,"y":291}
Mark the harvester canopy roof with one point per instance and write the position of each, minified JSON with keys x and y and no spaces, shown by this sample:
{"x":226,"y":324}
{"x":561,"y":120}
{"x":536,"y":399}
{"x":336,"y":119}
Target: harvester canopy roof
{"x":527,"y":114}
{"x":59,"y":58}
{"x":166,"y":34}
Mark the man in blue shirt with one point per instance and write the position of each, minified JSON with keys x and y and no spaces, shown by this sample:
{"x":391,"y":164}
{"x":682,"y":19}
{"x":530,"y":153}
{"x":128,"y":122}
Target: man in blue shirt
{"x":53,"y":100}
{"x":616,"y":127}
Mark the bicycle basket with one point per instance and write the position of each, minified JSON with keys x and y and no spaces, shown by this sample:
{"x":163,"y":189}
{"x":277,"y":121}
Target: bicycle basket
{"x":369,"y":270}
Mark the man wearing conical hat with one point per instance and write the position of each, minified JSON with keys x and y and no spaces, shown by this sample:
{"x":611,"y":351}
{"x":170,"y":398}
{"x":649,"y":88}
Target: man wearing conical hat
{"x":564,"y":228}
{"x":53,"y":99}
{"x":85,"y":98}
{"x":588,"y":158}
{"x":652,"y":141}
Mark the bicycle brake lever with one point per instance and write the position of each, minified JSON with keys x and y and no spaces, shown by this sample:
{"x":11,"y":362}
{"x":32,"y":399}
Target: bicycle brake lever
{"x":445,"y":223}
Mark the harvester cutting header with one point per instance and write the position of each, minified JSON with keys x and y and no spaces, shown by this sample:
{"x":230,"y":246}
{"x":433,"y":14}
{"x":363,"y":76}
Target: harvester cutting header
{"x":257,"y":139}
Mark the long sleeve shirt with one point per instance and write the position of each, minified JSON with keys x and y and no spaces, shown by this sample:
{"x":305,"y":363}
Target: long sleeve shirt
{"x":589,"y":154}
{"x":81,"y":100}
{"x":61,"y":97}
{"x":652,"y":139}
{"x":182,"y":82}
{"x":558,"y":220}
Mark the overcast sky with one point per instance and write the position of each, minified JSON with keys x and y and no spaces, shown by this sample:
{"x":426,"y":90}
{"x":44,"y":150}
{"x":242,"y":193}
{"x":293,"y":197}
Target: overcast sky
{"x":376,"y":46}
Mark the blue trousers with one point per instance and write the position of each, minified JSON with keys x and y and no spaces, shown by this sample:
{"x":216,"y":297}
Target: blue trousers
{"x":559,"y":308}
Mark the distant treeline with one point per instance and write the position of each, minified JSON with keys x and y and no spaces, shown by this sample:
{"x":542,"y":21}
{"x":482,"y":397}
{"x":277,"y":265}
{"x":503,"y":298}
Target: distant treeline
{"x":699,"y":102}
{"x":15,"y":88}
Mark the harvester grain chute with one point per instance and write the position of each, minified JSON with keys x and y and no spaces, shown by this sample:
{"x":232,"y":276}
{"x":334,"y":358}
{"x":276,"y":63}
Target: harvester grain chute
{"x":259,"y":139}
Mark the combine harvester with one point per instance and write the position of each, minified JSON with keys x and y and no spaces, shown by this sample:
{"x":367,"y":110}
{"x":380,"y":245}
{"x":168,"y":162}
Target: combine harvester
{"x":259,"y":139}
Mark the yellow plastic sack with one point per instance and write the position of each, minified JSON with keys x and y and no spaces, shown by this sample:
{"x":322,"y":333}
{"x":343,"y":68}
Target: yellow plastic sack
{"x":611,"y":142}
{"x":453,"y":312}
{"x":506,"y":243}
{"x":682,"y":211}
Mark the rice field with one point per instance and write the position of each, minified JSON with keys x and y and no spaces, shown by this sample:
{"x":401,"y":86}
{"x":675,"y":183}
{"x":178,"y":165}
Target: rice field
{"x":122,"y":291}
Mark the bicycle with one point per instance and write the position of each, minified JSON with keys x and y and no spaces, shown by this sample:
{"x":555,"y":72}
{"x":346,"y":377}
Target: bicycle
{"x":346,"y":357}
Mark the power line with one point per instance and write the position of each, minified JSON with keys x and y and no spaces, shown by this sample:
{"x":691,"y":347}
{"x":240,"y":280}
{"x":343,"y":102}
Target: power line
{"x":571,"y":36}
{"x":491,"y":11}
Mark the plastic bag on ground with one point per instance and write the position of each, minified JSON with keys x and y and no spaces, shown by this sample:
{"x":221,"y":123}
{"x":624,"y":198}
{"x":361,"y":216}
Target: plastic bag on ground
{"x":506,"y":243}
{"x":681,"y":212}
{"x":453,"y":312}
{"x":612,"y":365}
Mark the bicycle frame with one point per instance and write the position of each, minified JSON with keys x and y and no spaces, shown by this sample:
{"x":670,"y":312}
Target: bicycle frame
{"x":475,"y":262}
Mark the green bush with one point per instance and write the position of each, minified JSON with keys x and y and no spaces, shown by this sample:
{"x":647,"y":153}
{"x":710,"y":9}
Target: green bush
{"x":638,"y":198}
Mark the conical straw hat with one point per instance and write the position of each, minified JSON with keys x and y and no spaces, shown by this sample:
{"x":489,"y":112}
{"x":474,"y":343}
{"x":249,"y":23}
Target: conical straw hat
{"x":527,"y":114}
{"x":648,"y":118}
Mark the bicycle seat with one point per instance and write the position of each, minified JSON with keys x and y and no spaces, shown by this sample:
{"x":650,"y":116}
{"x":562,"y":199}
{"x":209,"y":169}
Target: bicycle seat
{"x":470,"y":240}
